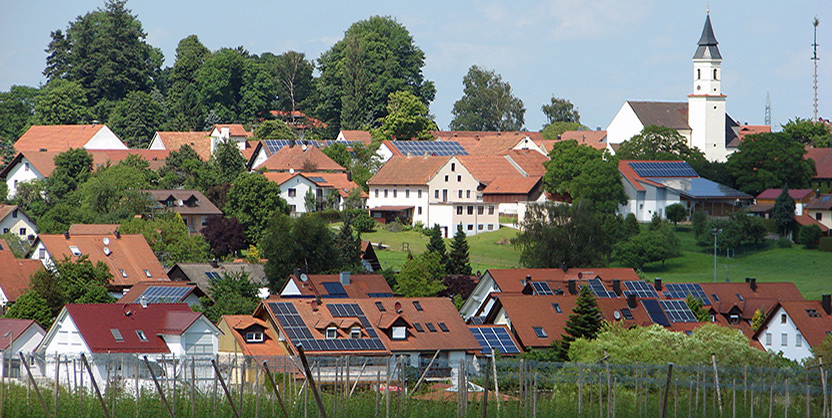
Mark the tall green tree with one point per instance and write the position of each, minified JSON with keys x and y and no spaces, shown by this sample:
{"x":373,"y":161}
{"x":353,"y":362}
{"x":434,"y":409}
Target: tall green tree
{"x":376,"y":57}
{"x":554,"y":130}
{"x":183,"y":95}
{"x":806,"y":132}
{"x":232,"y":294}
{"x":220,"y":82}
{"x":169,"y":238}
{"x":227,"y":161}
{"x":770,"y":160}
{"x":407,"y":118}
{"x":487,"y":104}
{"x":578,"y":171}
{"x":62,"y":102}
{"x":659,"y":143}
{"x":304,"y":243}
{"x":421,"y":276}
{"x":560,"y":110}
{"x":17,"y":111}
{"x":294,"y":80}
{"x":585,"y":321}
{"x":274,"y":129}
{"x":348,"y":245}
{"x":436,"y":244}
{"x":72,"y":168}
{"x":784,"y":212}
{"x":136,"y":118}
{"x":254,"y":201}
{"x":458,"y":261}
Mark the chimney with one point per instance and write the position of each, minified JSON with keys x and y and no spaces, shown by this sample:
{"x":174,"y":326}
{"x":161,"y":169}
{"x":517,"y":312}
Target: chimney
{"x":528,"y":278}
{"x":826,"y":304}
{"x":215,"y":263}
{"x":753,"y":283}
{"x":563,"y":266}
{"x":817,"y":193}
{"x":345,"y":278}
{"x":297,"y":273}
{"x":314,"y":304}
{"x":616,"y":287}
{"x":631,"y":301}
{"x":573,"y":289}
{"x":66,"y":235}
{"x":657,"y":283}
{"x":747,"y":279}
{"x":117,"y":234}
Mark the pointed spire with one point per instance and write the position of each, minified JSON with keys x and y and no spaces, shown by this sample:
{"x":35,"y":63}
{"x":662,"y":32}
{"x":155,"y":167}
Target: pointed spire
{"x":707,"y":42}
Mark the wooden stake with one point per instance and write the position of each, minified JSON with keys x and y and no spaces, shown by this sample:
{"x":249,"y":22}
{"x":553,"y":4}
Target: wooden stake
{"x":485,"y":390}
{"x":496,"y":386}
{"x":37,"y":391}
{"x":57,"y":380}
{"x":667,"y":389}
{"x":716,"y":382}
{"x":311,"y":381}
{"x":155,"y":381}
{"x":225,"y":389}
{"x":274,"y":388}
{"x":424,"y":373}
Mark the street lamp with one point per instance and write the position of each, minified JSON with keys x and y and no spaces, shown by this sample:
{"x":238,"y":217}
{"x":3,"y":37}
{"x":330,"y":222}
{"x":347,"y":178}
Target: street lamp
{"x":715,"y":232}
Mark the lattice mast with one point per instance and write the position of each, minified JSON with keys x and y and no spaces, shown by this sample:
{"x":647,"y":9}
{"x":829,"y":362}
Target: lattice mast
{"x":815,"y":62}
{"x":768,"y":109}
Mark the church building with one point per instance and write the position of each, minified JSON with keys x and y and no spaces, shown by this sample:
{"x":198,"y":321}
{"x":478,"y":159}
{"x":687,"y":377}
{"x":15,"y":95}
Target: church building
{"x":702,"y":121}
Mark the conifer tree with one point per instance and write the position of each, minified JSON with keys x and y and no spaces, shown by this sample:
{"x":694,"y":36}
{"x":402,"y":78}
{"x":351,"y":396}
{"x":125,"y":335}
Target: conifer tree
{"x":458,"y":262}
{"x":437,"y":245}
{"x":585,"y":321}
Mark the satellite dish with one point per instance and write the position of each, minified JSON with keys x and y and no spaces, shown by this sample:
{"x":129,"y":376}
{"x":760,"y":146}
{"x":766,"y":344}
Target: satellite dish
{"x":617,"y":315}
{"x":304,"y":277}
{"x":106,"y":241}
{"x":291,"y":171}
{"x":107,"y":251}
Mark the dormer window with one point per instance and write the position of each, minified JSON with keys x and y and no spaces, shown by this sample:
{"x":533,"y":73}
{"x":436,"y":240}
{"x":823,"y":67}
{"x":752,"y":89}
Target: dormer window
{"x":355,"y":333}
{"x":331,"y":333}
{"x":255,"y":337}
{"x":399,"y":333}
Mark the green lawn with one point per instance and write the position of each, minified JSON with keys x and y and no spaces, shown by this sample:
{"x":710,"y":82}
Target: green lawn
{"x":485,"y":252}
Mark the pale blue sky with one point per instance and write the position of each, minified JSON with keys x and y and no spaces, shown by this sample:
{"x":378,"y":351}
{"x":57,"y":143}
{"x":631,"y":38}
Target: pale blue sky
{"x":595,"y":53}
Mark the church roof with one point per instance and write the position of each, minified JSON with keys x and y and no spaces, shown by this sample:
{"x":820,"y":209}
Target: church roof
{"x":669,"y":114}
{"x":707,"y":43}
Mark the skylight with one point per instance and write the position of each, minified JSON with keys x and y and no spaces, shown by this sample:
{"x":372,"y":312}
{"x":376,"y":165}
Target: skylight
{"x":75,"y":251}
{"x":117,"y":335}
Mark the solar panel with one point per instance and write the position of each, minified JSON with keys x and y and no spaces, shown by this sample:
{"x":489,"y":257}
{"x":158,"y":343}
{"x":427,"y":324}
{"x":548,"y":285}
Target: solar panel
{"x":297,"y":332}
{"x":677,"y":311}
{"x":335,"y":289}
{"x":654,"y":310}
{"x":682,"y":290}
{"x":213,"y":275}
{"x":317,"y":179}
{"x":663,"y":169}
{"x":341,"y":310}
{"x":380,"y":295}
{"x":476,"y":320}
{"x":541,"y":288}
{"x":442,"y":148}
{"x":496,"y":338}
{"x":640,"y":289}
{"x":380,"y":307}
{"x":274,"y":145}
{"x":165,"y":294}
{"x":597,"y":287}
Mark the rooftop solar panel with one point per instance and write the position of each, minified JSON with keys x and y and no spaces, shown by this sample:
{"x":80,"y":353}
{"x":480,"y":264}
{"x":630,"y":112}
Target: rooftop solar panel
{"x":677,"y":311}
{"x":441,"y":148}
{"x":640,"y":289}
{"x":682,"y":290}
{"x":165,"y":294}
{"x":663,"y":169}
{"x":655,"y":312}
{"x":297,"y":332}
{"x":599,"y":290}
{"x":541,"y":288}
{"x":496,"y":338}
{"x":335,"y":289}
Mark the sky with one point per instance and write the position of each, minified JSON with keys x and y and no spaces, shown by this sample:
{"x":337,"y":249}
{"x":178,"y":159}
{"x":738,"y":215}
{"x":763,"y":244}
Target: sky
{"x":597,"y":54}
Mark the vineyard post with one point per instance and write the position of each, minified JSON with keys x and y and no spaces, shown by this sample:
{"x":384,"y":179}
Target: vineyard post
{"x":485,"y":389}
{"x":312,"y":383}
{"x":94,"y":385}
{"x":193,"y":387}
{"x":496,"y":386}
{"x":136,"y":378}
{"x":716,"y":382}
{"x":667,"y":389}
{"x":37,"y":391}
{"x":224,"y":389}
{"x":155,"y":381}
{"x":57,"y":380}
{"x":274,"y":388}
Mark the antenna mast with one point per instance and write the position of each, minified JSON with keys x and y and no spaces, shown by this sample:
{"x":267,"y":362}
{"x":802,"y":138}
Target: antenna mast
{"x":768,"y":109}
{"x":815,"y":61}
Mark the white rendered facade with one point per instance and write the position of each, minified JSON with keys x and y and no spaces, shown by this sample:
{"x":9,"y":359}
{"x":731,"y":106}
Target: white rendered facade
{"x":780,"y":334}
{"x":16,"y":222}
{"x":104,"y":139}
{"x":415,"y":195}
{"x":22,"y":171}
{"x":644,"y":203}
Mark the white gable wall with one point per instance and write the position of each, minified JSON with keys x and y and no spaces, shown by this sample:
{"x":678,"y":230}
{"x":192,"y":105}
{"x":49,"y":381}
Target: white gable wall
{"x":624,"y":125}
{"x":772,"y":337}
{"x":18,"y":224}
{"x":156,"y":142}
{"x":300,"y":185}
{"x":22,"y":171}
{"x":104,"y":139}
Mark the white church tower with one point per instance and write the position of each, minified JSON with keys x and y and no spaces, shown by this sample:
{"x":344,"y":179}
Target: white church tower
{"x":706,"y":105}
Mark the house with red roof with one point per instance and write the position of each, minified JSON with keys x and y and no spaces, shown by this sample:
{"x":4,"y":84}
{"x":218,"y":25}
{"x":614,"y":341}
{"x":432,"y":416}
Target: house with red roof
{"x":768,"y":197}
{"x":793,"y":328}
{"x":246,"y":338}
{"x":822,"y":157}
{"x":199,"y":141}
{"x":163,"y":292}
{"x":330,"y":189}
{"x":344,"y":285}
{"x":14,"y":220}
{"x":14,"y":277}
{"x":60,"y":138}
{"x":18,"y":336}
{"x":820,"y":209}
{"x":152,"y":330}
{"x":191,"y":205}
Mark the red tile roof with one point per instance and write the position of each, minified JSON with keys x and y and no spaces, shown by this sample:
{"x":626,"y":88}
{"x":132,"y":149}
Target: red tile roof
{"x":15,"y":274}
{"x":297,"y":157}
{"x":199,"y":141}
{"x":57,"y":138}
{"x":813,"y":329}
{"x":14,"y":328}
{"x":400,"y":170}
{"x":764,"y":297}
{"x":822,"y":202}
{"x":456,"y":135}
{"x":745,"y":130}
{"x":95,"y":322}
{"x":129,"y":253}
{"x":361,"y":285}
{"x":796,"y":194}
{"x":805,"y":220}
{"x":527,"y":313}
{"x":513,"y":280}
{"x":234,"y":130}
{"x":670,"y":114}
{"x":595,"y":139}
{"x":363,"y":136}
{"x":302,"y":120}
{"x":44,"y":161}
{"x":823,"y":161}
{"x":93,"y":229}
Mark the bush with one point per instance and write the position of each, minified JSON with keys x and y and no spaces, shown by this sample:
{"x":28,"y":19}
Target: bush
{"x":394,"y":227}
{"x":809,"y":235}
{"x":771,"y":225}
{"x":825,"y":244}
{"x":329,"y":216}
{"x":784,"y":243}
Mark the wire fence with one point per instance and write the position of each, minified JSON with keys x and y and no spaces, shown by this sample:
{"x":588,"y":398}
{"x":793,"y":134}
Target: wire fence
{"x":227,"y":385}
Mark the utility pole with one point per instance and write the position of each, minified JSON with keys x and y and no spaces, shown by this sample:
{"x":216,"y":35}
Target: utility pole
{"x":815,"y":23}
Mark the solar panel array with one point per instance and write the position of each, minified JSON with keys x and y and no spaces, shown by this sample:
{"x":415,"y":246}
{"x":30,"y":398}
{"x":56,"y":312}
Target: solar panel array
{"x":165,"y":294}
{"x":496,"y":338}
{"x":476,"y":320}
{"x":274,"y":145}
{"x":541,"y":288}
{"x":664,"y":169}
{"x":297,"y":332}
{"x":335,"y":289}
{"x":677,"y":311}
{"x":442,"y":148}
{"x":654,"y":310}
{"x":682,"y":290}
{"x":640,"y":289}
{"x":380,"y":295}
{"x":597,"y":287}
{"x":213,"y":275}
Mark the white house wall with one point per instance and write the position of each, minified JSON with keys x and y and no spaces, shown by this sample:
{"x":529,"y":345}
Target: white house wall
{"x":777,"y":329}
{"x":624,"y":125}
{"x":301,"y":185}
{"x":22,"y":171}
{"x":104,"y":139}
{"x":402,"y":195}
{"x":481,"y":291}
{"x":156,"y":143}
{"x":18,"y":224}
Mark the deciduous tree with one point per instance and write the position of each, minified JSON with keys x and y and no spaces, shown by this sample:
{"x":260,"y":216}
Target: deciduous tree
{"x":770,"y":160}
{"x":676,"y":213}
{"x":232,"y":294}
{"x":806,"y":132}
{"x":224,"y":235}
{"x":659,"y":143}
{"x":487,"y":104}
{"x":62,"y":102}
{"x":421,"y":276}
{"x":274,"y":129}
{"x":135,"y":119}
{"x":554,"y":130}
{"x":254,"y":200}
{"x":560,"y":110}
{"x":304,"y":243}
{"x":407,"y":118}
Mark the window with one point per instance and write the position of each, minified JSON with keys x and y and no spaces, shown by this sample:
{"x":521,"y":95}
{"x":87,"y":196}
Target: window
{"x":714,"y":297}
{"x":419,"y":210}
{"x":376,"y":191}
{"x":394,"y":193}
{"x":14,"y":213}
{"x":254,"y":337}
{"x":557,"y":307}
{"x":768,"y":339}
{"x":479,"y":227}
{"x":467,"y":194}
{"x":355,"y":333}
{"x":407,"y":193}
{"x":293,"y":208}
{"x":385,"y":192}
{"x":490,"y":227}
{"x":331,"y":333}
{"x":436,"y":193}
{"x":735,"y":319}
{"x":819,"y":216}
{"x":417,"y":305}
{"x":26,"y":166}
{"x":739,"y":296}
{"x":698,"y":73}
{"x":453,"y":166}
{"x":480,"y":210}
{"x":459,"y":210}
{"x":782,"y":318}
{"x":784,"y":339}
{"x":380,"y":307}
{"x":294,"y":192}
{"x":41,"y":253}
{"x":446,"y":178}
{"x":798,"y":340}
{"x":459,"y":193}
{"x":813,"y":313}
{"x":141,"y":335}
{"x":22,"y":231}
{"x":442,"y":326}
{"x":430,"y":326}
{"x":715,"y":77}
{"x":117,"y":335}
{"x":491,"y":210}
{"x":540,"y":332}
{"x":399,"y":333}
{"x":75,"y":251}
{"x":470,"y":210}
{"x":470,"y":227}
{"x":204,"y":220}
{"x":458,"y":178}
{"x":419,"y":194}
{"x":418,"y":327}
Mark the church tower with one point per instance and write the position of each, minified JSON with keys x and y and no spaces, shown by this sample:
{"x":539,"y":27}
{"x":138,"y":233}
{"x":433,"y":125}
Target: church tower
{"x":706,"y":105}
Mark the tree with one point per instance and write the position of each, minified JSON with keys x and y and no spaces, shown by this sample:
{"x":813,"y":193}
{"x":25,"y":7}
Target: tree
{"x":30,"y":305}
{"x":566,"y":161}
{"x":421,"y":276}
{"x":436,"y":244}
{"x":659,"y":143}
{"x":17,"y":111}
{"x":232,"y":294}
{"x":554,"y":130}
{"x":224,"y":235}
{"x":136,"y":118}
{"x":553,"y":234}
{"x":649,"y":246}
{"x":294,"y":79}
{"x":376,"y":57}
{"x":784,"y":212}
{"x":169,"y":238}
{"x":770,"y":160}
{"x":304,"y":243}
{"x":757,"y":319}
{"x":339,"y":153}
{"x":697,"y":308}
{"x":577,"y":171}
{"x":407,"y":118}
{"x":62,"y":102}
{"x":560,"y":110}
{"x":676,"y":213}
{"x":186,"y":110}
{"x":458,"y":262}
{"x":227,"y":161}
{"x":585,"y":321}
{"x":310,"y":201}
{"x":72,"y":168}
{"x":487,"y":104}
{"x":184,"y":169}
{"x":254,"y":200}
{"x":274,"y":129}
{"x":806,"y":132}
{"x":348,"y":246}
{"x":809,"y":235}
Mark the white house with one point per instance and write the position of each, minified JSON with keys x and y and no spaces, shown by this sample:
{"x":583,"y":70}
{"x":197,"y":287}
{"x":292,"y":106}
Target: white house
{"x":60,"y":138}
{"x":234,"y":132}
{"x":152,"y":330}
{"x":18,"y":336}
{"x":328,"y":188}
{"x":793,"y":328}
{"x":400,"y":189}
{"x":14,"y":220}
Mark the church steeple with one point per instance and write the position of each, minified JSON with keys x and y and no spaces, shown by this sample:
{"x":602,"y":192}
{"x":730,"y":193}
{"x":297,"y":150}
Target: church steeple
{"x":707,"y":43}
